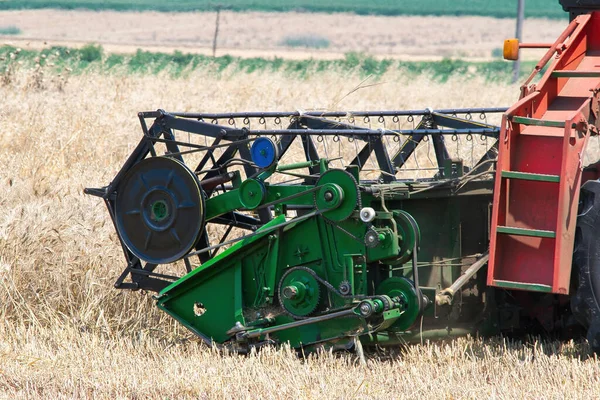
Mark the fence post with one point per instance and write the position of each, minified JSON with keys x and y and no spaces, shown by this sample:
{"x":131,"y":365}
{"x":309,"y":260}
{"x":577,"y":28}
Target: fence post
{"x":519,"y":34}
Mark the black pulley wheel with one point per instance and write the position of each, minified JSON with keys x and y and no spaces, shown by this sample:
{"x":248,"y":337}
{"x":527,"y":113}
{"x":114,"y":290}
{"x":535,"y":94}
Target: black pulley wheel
{"x":585,"y":303}
{"x":159,"y":210}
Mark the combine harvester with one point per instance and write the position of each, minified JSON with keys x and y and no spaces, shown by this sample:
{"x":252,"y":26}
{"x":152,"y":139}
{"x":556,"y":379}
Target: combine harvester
{"x":376,"y":227}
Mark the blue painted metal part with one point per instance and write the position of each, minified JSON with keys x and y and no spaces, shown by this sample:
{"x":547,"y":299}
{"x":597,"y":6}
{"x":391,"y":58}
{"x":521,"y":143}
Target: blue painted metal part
{"x":263,"y":152}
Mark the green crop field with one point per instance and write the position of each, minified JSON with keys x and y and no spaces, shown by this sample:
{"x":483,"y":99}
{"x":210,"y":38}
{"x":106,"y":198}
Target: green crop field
{"x":499,"y":9}
{"x":93,"y":57}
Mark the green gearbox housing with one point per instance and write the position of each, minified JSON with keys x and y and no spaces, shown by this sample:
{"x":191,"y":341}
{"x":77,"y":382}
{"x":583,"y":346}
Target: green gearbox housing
{"x":303,"y":280}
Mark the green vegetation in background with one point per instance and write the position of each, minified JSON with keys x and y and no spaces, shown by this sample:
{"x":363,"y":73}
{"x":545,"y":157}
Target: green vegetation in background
{"x":307,"y":41}
{"x":9,"y":30}
{"x":93,"y":59}
{"x":492,"y":8}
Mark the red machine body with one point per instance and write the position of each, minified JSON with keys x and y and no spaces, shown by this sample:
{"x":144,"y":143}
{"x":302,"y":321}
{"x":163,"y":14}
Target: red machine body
{"x":540,"y":165}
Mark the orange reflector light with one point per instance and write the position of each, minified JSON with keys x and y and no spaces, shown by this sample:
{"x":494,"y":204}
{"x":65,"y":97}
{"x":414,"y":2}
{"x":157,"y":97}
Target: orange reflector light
{"x":511,"y":49}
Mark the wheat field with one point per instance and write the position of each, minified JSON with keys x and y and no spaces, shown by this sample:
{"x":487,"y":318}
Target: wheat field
{"x":66,"y":333}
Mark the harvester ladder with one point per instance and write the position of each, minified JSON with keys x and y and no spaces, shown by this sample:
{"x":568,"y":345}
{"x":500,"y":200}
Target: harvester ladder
{"x":539,"y":167}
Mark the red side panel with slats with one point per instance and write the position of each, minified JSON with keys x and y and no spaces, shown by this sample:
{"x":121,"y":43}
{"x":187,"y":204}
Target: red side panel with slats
{"x":539,"y":168}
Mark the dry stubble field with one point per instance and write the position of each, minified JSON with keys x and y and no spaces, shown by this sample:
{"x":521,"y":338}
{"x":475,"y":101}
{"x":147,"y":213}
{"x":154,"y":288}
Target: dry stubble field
{"x":66,"y":333}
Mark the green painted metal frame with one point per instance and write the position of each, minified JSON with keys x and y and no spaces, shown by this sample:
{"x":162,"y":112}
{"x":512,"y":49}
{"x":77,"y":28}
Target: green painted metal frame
{"x":526,"y":232}
{"x":575,"y":74}
{"x":533,"y":287}
{"x":530,"y":176}
{"x":539,"y":122}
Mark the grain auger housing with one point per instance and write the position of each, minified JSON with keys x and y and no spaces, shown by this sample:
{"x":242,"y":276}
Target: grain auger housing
{"x":324,"y":228}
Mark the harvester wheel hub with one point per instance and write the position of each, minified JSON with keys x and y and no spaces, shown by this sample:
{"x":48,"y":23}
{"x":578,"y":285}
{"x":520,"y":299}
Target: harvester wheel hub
{"x":159,"y":210}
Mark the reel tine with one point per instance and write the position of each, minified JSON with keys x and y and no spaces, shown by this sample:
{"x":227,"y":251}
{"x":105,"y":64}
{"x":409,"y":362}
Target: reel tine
{"x":470,"y":139}
{"x":356,"y":152}
{"x":429,"y":150}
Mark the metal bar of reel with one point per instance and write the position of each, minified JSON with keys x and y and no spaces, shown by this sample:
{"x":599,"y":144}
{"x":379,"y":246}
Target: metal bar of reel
{"x":203,"y":242}
{"x":439,"y":146}
{"x":408,"y":147}
{"x":139,"y":153}
{"x":172,"y":147}
{"x":441,"y":151}
{"x":208,"y":155}
{"x":365,"y":133}
{"x":373,"y":145}
{"x":167,"y":121}
{"x":289,"y":114}
{"x":362,"y":157}
{"x":284,"y":144}
{"x":383,"y":160}
{"x":145,"y":130}
{"x":238,"y":220}
{"x":457,"y":123}
{"x":321,"y":123}
{"x":133,"y":263}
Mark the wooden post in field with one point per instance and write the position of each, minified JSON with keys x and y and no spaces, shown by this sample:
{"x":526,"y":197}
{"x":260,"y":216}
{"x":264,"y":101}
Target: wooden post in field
{"x":518,"y":35}
{"x":216,"y":31}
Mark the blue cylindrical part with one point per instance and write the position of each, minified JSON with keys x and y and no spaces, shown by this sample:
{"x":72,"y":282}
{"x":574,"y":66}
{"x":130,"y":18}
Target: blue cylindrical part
{"x":263,"y":152}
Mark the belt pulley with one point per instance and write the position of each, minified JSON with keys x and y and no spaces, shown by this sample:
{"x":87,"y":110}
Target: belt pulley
{"x":159,"y":210}
{"x":339,"y":191}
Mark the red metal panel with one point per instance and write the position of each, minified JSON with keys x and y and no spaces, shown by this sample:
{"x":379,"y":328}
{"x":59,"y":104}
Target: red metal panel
{"x":524,"y":259}
{"x":547,"y":150}
{"x":571,"y":173}
{"x":594,"y":32}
